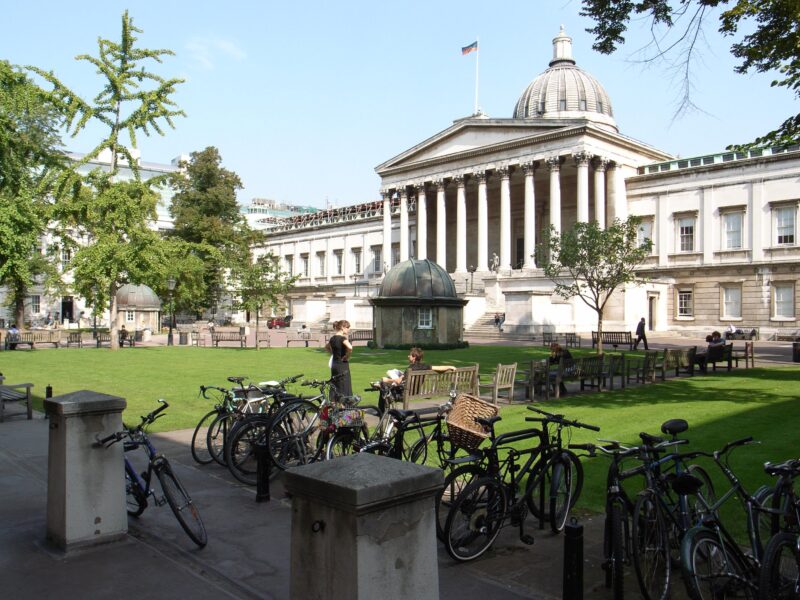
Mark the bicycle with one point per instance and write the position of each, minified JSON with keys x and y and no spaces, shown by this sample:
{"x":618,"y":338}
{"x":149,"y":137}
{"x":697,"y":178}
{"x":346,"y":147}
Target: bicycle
{"x":138,"y":488}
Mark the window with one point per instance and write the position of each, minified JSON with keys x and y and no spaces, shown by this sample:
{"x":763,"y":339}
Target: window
{"x":425,"y":318}
{"x":66,"y":256}
{"x":784,"y":225}
{"x":395,"y":254}
{"x":321,"y":264}
{"x":377,"y":259}
{"x":783,"y":301}
{"x":732,"y":224}
{"x":732,"y":302}
{"x":686,"y":234}
{"x":337,"y":255}
{"x":304,"y":264}
{"x":288,"y":263}
{"x":562,"y":104}
{"x":582,"y":103}
{"x":685,"y":303}
{"x":130,"y":316}
{"x":356,"y":260}
{"x":645,"y":231}
{"x":36,"y":304}
{"x":541,"y":107}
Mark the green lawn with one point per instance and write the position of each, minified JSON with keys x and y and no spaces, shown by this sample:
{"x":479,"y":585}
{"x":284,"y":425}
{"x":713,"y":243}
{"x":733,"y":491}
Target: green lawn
{"x":720,"y":407}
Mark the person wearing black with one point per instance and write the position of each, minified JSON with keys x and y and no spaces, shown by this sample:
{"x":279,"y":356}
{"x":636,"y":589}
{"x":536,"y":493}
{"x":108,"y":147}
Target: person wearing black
{"x":341,"y":349}
{"x":640,"y":335}
{"x":557,"y":354}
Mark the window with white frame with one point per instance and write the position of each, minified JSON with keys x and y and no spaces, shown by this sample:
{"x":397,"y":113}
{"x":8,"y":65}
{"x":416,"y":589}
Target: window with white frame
{"x":338,"y":258}
{"x":377,"y":259}
{"x":785,"y":218}
{"x":357,"y":260}
{"x":685,"y":230}
{"x":732,"y":230}
{"x":288,"y":264}
{"x":321,"y":264}
{"x":685,"y":303}
{"x":395,"y":254}
{"x":425,"y":317}
{"x":783,"y":300}
{"x":304,"y":264}
{"x":66,"y":256}
{"x":645,"y":231}
{"x":130,"y":316}
{"x":732,"y":302}
{"x":36,"y":304}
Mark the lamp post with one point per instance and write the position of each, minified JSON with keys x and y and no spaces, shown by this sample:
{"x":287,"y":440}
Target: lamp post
{"x":355,"y":285}
{"x":171,"y":286}
{"x":94,"y":311}
{"x":471,"y":277}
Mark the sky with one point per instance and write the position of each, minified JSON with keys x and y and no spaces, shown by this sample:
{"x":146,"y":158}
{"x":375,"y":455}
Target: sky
{"x":303,"y":100}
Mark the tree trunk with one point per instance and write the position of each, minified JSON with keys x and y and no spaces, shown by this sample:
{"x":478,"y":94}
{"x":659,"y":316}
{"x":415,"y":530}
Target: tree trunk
{"x":600,"y":333}
{"x":112,"y":319}
{"x":258,"y":344}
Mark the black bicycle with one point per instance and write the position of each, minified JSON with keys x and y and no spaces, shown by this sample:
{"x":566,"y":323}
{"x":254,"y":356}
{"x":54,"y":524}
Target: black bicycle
{"x":138,"y":488}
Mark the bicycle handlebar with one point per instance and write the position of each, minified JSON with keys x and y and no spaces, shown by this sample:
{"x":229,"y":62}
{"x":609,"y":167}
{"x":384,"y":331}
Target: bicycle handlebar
{"x":553,"y":418}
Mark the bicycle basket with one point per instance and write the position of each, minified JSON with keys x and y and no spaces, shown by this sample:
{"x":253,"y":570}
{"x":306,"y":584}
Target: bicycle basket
{"x":464,"y":431}
{"x":336,"y":417}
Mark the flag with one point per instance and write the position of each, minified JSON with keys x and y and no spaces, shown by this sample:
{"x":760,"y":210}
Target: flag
{"x":473,"y":47}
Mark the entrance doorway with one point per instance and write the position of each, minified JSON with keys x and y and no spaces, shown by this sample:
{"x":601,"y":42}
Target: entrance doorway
{"x":66,"y":309}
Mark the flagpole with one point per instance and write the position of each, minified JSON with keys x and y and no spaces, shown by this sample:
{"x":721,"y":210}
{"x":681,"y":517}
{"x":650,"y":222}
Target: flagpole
{"x":477,"y":62}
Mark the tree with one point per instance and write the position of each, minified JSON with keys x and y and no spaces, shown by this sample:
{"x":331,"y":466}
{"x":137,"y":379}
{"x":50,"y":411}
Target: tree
{"x":30,"y":158}
{"x":578,"y":269}
{"x":772,"y":45}
{"x":205,"y":212}
{"x":114,"y":216}
{"x":261,"y":283}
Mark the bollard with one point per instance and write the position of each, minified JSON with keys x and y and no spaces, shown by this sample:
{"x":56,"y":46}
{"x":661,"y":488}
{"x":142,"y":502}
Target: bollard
{"x":263,"y":471}
{"x":573,"y":561}
{"x":48,"y":391}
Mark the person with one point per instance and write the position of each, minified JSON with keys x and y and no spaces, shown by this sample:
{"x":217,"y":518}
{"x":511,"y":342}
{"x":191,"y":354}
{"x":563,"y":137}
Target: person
{"x":497,"y":320}
{"x":557,"y":354}
{"x":123,"y":336}
{"x":340,"y":349}
{"x":716,"y":339}
{"x":12,"y":334}
{"x":13,"y":330}
{"x":701,"y":358}
{"x":640,"y":335}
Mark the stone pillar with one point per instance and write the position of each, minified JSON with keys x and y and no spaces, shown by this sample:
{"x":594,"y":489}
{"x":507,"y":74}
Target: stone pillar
{"x":422,"y":222}
{"x":617,"y":199}
{"x":505,"y":218}
{"x":363,"y":527}
{"x":441,"y":225}
{"x":329,"y":260}
{"x":461,"y":226}
{"x":582,"y":164}
{"x":85,"y":485}
{"x":530,"y":217}
{"x":554,"y":164}
{"x":600,"y":165}
{"x":483,"y":223}
{"x":387,"y":229}
{"x":404,"y":224}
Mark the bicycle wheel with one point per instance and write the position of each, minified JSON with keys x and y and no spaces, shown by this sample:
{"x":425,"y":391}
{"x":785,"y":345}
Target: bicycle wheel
{"x":419,"y":452}
{"x":454,"y":483}
{"x":181,"y":504}
{"x":294,"y":434}
{"x":218,"y":434}
{"x":697,"y":507}
{"x":561,"y":490}
{"x":538,"y":483}
{"x":135,"y":497}
{"x":200,"y":448}
{"x":343,"y":442}
{"x":475,"y":519}
{"x":651,"y":549}
{"x":780,"y":570}
{"x":768,"y":524}
{"x":240,"y":449}
{"x":713,"y":571}
{"x":615,"y":556}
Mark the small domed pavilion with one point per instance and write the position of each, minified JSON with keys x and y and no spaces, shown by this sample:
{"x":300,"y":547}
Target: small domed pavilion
{"x":138,"y":307}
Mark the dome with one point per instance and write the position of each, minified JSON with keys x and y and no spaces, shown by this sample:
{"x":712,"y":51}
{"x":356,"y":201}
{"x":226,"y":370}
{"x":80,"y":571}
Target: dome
{"x":417,"y":279}
{"x":564,"y":91}
{"x":137,"y":297}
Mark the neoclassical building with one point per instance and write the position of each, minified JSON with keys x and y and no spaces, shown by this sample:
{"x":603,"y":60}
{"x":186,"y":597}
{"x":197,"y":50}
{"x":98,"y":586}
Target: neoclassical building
{"x":477,"y":197}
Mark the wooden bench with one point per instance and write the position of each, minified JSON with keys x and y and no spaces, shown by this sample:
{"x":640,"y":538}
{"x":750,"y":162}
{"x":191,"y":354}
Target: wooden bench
{"x":74,"y":339}
{"x":304,"y":337}
{"x":228,"y":336}
{"x":571,"y":340}
{"x":436,"y":385}
{"x":719,"y":354}
{"x":642,"y":369}
{"x":680,"y":360}
{"x":15,"y":392}
{"x":502,"y":380}
{"x":614,"y":338}
{"x":788,"y":337}
{"x":589,"y":369}
{"x":743,"y":333}
{"x":31,"y":338}
{"x":262,"y":338}
{"x":361,"y":335}
{"x":747,"y":355}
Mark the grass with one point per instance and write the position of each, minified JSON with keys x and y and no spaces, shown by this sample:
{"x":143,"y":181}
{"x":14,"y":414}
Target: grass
{"x":721,"y":407}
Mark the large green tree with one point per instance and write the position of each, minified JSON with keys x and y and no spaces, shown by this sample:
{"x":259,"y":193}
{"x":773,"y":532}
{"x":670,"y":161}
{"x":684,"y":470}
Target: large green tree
{"x":206,"y":214}
{"x":108,"y":218}
{"x":772,"y":44}
{"x":574,"y":262}
{"x":30,"y":158}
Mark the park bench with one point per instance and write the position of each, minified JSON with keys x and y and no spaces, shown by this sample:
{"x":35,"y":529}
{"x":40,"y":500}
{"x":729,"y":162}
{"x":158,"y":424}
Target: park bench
{"x":228,"y":336}
{"x":361,"y":335}
{"x":785,"y":336}
{"x":642,"y":369}
{"x":571,"y":340}
{"x":614,"y":338}
{"x":31,"y":338}
{"x":262,"y":338}
{"x":74,"y":338}
{"x":747,"y":355}
{"x":591,"y":371}
{"x":502,"y":380}
{"x":104,"y":339}
{"x":436,"y":385}
{"x":719,"y":354}
{"x":15,"y":392}
{"x":680,"y":360}
{"x":743,"y":333}
{"x":303,"y":338}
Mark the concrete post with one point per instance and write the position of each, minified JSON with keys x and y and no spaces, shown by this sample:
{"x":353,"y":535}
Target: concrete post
{"x":85,"y":484}
{"x":363,"y":528}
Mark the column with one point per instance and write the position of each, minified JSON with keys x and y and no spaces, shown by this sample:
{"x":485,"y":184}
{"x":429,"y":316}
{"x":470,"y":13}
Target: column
{"x":329,"y":262}
{"x":505,"y":218}
{"x":386,"y":253}
{"x":441,"y":225}
{"x":403,"y":224}
{"x":530,"y":216}
{"x":554,"y":164}
{"x":582,"y":163}
{"x":600,"y":165}
{"x":617,"y":200}
{"x":483,"y":223}
{"x":422,"y":222}
{"x":461,"y":226}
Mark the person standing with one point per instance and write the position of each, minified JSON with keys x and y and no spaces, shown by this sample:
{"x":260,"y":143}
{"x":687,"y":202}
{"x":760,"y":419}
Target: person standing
{"x":341,"y":349}
{"x":640,"y":335}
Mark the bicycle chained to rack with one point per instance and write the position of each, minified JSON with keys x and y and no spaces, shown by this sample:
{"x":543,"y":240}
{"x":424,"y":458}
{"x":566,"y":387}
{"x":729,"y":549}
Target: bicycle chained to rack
{"x":478,"y":512}
{"x":139,"y":487}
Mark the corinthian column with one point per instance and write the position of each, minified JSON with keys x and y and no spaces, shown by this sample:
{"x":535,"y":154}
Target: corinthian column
{"x":600,"y":165}
{"x":403,"y":224}
{"x":441,"y":226}
{"x":505,"y":218}
{"x":387,"y":229}
{"x":554,"y":164}
{"x":483,"y":223}
{"x":582,"y":163}
{"x":461,"y":226}
{"x":422,"y":223}
{"x":530,"y":217}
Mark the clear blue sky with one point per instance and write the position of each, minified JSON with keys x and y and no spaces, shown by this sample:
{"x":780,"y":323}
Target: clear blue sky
{"x":304,"y":99}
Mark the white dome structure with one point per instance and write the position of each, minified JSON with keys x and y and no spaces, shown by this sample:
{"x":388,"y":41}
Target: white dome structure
{"x":564,"y":91}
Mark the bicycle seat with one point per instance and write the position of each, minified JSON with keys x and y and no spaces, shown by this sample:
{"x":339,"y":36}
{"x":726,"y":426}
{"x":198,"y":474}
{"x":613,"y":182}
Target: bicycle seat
{"x":238,"y":380}
{"x":650,"y":440}
{"x":490,"y":421}
{"x":402,"y":415}
{"x":674,"y":426}
{"x":789,"y":467}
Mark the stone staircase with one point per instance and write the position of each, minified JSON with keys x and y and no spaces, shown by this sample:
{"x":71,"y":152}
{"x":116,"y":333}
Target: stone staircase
{"x":484,"y":330}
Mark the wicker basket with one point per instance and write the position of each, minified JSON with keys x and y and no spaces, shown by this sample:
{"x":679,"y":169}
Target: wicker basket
{"x":465,"y":432}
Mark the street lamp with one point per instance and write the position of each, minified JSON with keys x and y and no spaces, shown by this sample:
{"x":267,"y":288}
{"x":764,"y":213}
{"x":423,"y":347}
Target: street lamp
{"x":95,"y":291}
{"x":355,"y":284}
{"x":471,"y":277}
{"x":171,"y":286}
